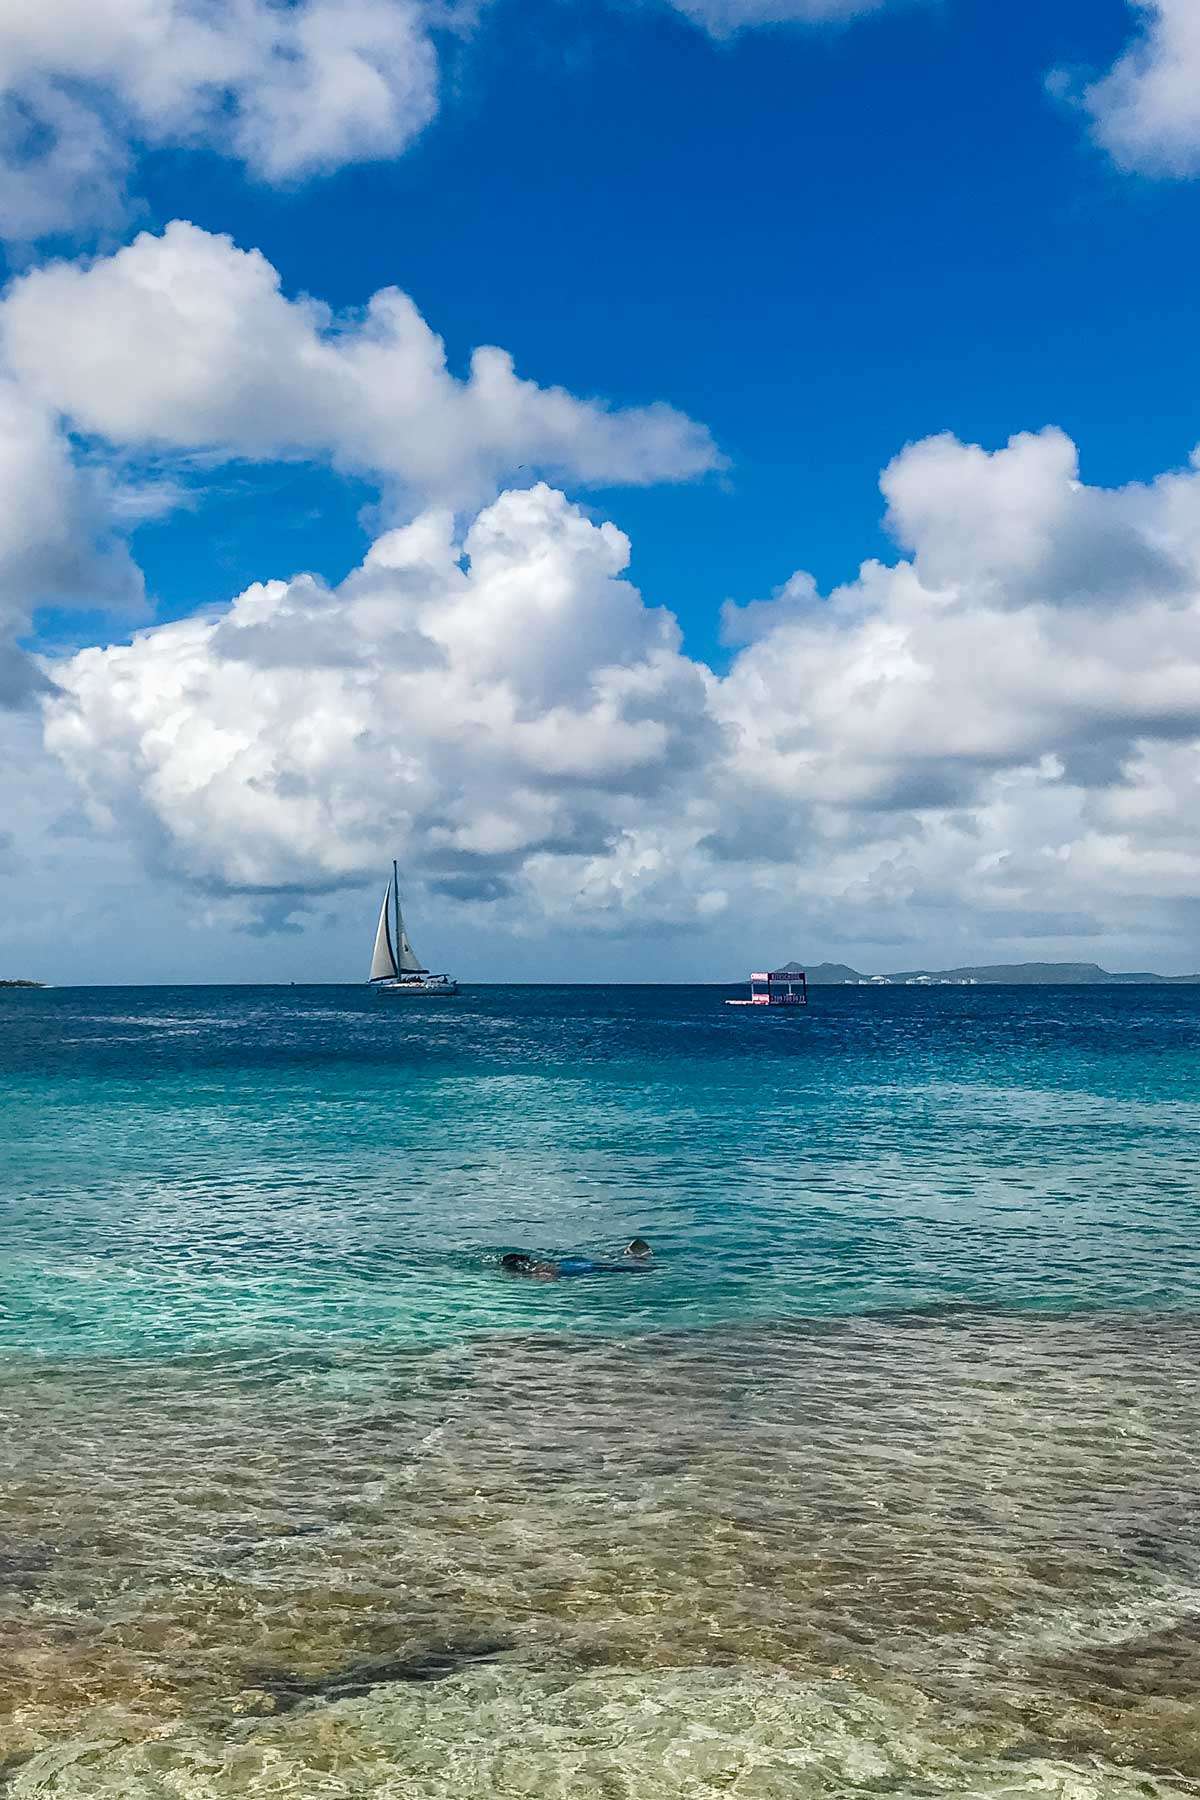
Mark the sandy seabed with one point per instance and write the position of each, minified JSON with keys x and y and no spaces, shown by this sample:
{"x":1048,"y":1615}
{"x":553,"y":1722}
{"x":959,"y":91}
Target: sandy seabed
{"x":907,"y":1555}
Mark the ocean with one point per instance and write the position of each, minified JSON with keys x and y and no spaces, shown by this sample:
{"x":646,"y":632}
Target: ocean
{"x":883,"y":1479}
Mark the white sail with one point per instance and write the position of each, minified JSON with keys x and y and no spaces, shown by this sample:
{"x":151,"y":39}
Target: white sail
{"x":383,"y":963}
{"x":410,"y":962}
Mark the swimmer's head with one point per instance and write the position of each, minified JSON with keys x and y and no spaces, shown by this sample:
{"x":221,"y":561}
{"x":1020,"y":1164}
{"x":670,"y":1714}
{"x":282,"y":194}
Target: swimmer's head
{"x":517,"y":1262}
{"x":639,"y":1247}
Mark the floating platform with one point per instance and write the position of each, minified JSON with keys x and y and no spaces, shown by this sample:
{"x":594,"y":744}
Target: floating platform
{"x":777,"y":987}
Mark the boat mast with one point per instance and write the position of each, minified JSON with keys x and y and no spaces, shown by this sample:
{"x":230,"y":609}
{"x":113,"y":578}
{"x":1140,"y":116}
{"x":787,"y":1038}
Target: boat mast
{"x":396,"y":897}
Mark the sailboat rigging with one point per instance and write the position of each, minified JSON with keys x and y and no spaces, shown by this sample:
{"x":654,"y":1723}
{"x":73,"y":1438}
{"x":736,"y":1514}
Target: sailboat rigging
{"x":395,"y":966}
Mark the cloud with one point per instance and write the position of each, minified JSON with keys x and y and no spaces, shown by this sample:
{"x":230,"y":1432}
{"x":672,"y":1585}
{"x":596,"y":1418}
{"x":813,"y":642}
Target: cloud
{"x":55,"y":545}
{"x":991,"y":727}
{"x":468,"y":705}
{"x":60,"y":166}
{"x":1146,"y":110}
{"x":1001,"y":647}
{"x":724,"y":17}
{"x":185,"y":342}
{"x":289,"y":90}
{"x":1017,"y":524}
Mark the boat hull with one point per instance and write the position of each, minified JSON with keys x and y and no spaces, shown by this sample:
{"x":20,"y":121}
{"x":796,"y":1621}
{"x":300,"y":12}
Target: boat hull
{"x":423,"y":990}
{"x":773,"y":1003}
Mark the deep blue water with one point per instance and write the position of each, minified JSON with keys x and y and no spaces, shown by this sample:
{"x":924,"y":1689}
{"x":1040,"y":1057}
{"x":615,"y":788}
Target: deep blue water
{"x":192,"y":1166}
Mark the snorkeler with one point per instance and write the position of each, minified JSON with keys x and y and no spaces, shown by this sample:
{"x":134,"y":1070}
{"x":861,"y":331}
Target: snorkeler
{"x":519,"y":1262}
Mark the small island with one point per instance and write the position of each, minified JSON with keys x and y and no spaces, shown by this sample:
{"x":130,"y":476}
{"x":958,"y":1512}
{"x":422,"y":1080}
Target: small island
{"x":995,"y":975}
{"x":22,"y":984}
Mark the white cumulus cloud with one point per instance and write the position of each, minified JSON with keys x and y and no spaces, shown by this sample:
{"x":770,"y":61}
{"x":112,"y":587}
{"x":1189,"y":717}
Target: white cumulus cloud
{"x":56,"y":548}
{"x":477,"y":702}
{"x":1146,"y":110}
{"x":289,"y":90}
{"x":1001,"y":726}
{"x":185,"y":342}
{"x":1000,"y":722}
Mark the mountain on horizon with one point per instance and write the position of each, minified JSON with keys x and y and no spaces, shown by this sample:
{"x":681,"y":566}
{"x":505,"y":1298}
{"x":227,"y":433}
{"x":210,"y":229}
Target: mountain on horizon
{"x":1065,"y":974}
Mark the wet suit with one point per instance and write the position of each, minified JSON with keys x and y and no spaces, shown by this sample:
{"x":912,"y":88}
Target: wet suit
{"x":518,"y":1263}
{"x":584,"y":1265}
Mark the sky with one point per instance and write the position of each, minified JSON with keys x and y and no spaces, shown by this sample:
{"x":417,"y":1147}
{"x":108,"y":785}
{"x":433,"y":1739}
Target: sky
{"x":697,"y":481}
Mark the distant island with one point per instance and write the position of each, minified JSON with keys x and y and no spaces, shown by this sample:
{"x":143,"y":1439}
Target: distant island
{"x":4,"y":984}
{"x":1064,"y":974}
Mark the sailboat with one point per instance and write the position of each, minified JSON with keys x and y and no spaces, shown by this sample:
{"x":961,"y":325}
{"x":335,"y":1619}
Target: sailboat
{"x":395,"y":966}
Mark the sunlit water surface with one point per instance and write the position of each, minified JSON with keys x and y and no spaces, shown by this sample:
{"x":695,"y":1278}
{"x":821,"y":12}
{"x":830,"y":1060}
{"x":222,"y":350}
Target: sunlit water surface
{"x":884,"y":1480}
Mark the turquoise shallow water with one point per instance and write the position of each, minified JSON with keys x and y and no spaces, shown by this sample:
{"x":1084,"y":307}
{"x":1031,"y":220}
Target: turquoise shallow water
{"x":883,"y":1480}
{"x":188,"y":1167}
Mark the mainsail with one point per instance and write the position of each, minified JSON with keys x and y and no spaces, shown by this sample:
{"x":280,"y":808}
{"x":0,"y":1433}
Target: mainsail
{"x":383,"y":963}
{"x":410,"y":962}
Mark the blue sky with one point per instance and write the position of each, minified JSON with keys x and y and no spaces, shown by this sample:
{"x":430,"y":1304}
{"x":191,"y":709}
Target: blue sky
{"x":823,"y":242}
{"x":825,"y":245}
